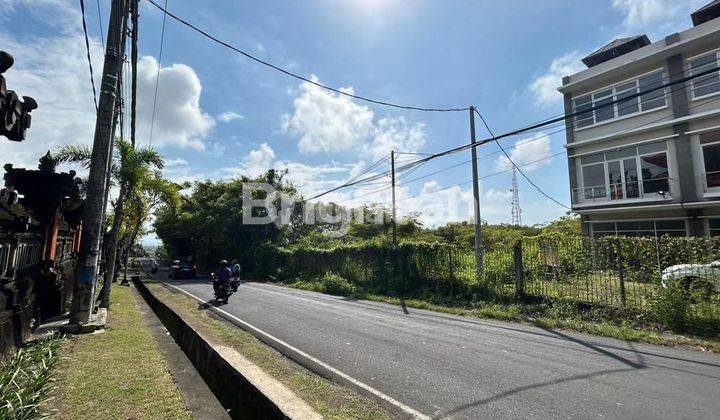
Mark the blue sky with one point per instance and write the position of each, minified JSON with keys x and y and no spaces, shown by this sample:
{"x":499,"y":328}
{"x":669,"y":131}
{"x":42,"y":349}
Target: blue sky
{"x":220,"y":115}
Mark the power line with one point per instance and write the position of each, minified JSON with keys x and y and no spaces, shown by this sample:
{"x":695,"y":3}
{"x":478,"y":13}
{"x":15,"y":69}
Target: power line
{"x":157,"y":77}
{"x":540,"y":190}
{"x":100,"y":22}
{"x":375,"y":191}
{"x":87,"y":49}
{"x":295,"y":75}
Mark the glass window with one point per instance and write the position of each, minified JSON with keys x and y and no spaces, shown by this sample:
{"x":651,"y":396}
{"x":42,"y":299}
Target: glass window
{"x":711,"y":157}
{"x":654,"y":171}
{"x":670,"y":224}
{"x":594,"y":180}
{"x":583,"y":104}
{"x":656,"y":98}
{"x":598,"y":157}
{"x":709,"y":83}
{"x":628,"y":106}
{"x":632,"y":186}
{"x":615,"y":180}
{"x":651,"y":147}
{"x":620,"y":153}
{"x":714,"y":227}
{"x":601,"y":100}
{"x":606,"y":112}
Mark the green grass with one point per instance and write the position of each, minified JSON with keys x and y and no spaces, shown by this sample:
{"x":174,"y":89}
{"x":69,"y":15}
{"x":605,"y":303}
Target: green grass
{"x":25,"y":379}
{"x":331,"y":400}
{"x":611,"y":322}
{"x":119,"y":373}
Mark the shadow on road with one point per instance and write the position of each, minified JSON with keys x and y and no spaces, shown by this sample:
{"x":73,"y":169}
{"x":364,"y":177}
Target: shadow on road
{"x":634,"y":365}
{"x":519,"y":389}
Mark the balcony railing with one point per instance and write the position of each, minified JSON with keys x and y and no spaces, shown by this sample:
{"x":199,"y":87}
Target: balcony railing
{"x":648,"y":189}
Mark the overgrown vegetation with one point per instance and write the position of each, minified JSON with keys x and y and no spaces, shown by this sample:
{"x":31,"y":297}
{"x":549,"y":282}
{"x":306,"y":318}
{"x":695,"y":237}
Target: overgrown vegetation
{"x":437,"y":264}
{"x":25,"y":379}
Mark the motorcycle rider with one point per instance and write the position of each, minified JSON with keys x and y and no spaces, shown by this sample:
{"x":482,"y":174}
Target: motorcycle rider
{"x":236,"y":270}
{"x":223,"y":275}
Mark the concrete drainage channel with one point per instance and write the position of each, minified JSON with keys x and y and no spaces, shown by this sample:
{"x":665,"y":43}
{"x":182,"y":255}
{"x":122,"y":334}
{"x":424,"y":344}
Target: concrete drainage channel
{"x":240,"y":395}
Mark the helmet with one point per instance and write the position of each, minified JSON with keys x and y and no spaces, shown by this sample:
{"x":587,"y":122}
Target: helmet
{"x":223,"y":263}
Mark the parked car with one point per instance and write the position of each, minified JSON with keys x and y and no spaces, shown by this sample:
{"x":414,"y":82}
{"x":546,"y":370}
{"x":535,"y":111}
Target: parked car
{"x":184,"y":269}
{"x":686,"y":273}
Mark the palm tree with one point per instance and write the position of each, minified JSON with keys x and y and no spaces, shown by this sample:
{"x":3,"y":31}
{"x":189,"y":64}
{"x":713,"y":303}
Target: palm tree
{"x":154,"y":191}
{"x":129,"y":169}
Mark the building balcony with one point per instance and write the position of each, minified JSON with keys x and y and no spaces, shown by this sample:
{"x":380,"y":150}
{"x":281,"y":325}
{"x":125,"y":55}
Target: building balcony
{"x":655,"y":189}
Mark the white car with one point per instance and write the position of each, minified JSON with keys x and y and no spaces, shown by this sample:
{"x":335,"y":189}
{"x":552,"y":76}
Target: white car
{"x":680,"y":271}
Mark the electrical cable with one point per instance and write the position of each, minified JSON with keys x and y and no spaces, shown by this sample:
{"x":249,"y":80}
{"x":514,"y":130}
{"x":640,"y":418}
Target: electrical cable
{"x":100,"y":23}
{"x":295,"y":75}
{"x":157,"y":77}
{"x":515,"y":166}
{"x":87,"y":49}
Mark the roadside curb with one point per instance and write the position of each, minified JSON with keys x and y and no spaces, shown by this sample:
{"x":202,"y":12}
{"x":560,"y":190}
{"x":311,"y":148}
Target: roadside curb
{"x":399,"y":409}
{"x":238,"y":392}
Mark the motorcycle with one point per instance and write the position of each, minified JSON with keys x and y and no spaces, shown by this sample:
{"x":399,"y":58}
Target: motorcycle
{"x":223,"y":292}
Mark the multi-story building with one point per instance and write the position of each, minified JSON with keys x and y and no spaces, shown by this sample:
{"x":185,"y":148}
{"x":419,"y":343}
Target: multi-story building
{"x":649,"y":165}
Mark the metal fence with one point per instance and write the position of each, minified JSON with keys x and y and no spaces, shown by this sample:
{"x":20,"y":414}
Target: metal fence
{"x":615,"y":271}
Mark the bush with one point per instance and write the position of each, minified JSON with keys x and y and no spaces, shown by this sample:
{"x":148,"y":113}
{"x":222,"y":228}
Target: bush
{"x":672,"y":308}
{"x":335,"y":285}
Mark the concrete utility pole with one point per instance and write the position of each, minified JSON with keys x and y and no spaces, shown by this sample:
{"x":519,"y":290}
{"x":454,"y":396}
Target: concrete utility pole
{"x":133,"y":66}
{"x":87,"y":263}
{"x":476,"y":198}
{"x":394,"y":212}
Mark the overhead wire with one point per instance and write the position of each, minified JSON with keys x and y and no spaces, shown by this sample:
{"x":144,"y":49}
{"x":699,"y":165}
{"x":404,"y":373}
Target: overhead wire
{"x":297,"y":76}
{"x":157,"y":77}
{"x":540,"y":190}
{"x":569,"y":116}
{"x":87,"y":50}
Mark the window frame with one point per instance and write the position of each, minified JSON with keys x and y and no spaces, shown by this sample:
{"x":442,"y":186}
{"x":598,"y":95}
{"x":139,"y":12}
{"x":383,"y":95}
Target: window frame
{"x":704,"y":169}
{"x":654,"y":231}
{"x":620,"y":160}
{"x":716,"y":53}
{"x":613,"y":88}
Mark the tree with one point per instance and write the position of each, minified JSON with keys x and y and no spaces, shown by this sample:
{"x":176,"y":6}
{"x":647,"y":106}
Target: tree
{"x":131,"y":167}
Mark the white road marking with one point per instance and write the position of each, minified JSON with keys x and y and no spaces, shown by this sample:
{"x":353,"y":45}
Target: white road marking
{"x":409,"y":410}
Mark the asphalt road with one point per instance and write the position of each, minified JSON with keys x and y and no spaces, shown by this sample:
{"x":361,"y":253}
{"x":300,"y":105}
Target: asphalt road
{"x":455,"y":367}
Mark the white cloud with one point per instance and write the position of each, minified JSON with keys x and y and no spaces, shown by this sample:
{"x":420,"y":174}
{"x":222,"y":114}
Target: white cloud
{"x":54,"y":71}
{"x":657,"y":18}
{"x":228,"y":116}
{"x":179,"y":119}
{"x":171,"y":163}
{"x":332,"y":123}
{"x":544,"y":87}
{"x":52,"y":67}
{"x":309,"y":179}
{"x":260,"y":47}
{"x":259,"y":160}
{"x":644,"y":12}
{"x":527,"y":152}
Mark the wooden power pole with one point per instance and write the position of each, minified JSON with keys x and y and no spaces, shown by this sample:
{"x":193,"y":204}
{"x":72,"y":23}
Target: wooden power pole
{"x":476,"y":198}
{"x":88,"y":261}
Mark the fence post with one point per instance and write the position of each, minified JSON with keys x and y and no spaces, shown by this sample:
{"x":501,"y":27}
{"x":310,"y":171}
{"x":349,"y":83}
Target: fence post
{"x":621,"y":273}
{"x":519,"y":270}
